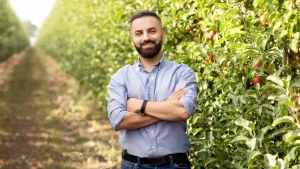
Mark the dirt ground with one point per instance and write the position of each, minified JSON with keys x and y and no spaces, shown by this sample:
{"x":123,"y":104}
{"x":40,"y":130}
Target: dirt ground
{"x":47,"y":123}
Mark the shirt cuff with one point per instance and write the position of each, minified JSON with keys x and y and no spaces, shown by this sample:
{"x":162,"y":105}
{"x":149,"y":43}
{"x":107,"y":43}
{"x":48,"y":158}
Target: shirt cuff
{"x":188,"y":104}
{"x":118,"y":118}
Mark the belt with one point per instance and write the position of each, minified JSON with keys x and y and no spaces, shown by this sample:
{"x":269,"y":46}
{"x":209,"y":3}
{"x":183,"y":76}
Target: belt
{"x":167,"y":159}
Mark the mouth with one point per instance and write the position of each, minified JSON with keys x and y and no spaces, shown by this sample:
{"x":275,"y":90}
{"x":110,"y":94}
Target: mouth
{"x":148,"y":45}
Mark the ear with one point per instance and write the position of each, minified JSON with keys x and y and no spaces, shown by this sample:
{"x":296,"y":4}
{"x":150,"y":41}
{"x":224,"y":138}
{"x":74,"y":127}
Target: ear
{"x":164,"y":36}
{"x":130,"y":37}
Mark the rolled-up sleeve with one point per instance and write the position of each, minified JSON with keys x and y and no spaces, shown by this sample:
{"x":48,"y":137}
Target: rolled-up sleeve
{"x":187,"y":80}
{"x":117,"y":99}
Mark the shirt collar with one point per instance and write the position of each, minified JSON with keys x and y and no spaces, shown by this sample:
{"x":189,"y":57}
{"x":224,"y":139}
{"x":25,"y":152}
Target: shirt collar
{"x":159,"y":64}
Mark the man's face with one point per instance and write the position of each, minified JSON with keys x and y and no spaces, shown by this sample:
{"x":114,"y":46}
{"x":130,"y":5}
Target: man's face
{"x":147,"y":36}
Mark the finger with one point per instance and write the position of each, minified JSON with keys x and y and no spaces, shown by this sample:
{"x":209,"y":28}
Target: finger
{"x":178,"y":95}
{"x":178,"y":91}
{"x":175,"y":92}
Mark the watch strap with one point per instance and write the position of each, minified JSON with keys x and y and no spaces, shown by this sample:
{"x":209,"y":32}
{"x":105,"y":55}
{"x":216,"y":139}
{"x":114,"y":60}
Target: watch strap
{"x":142,"y":112}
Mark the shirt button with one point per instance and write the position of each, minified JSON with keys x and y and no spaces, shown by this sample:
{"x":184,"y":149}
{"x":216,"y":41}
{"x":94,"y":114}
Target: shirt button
{"x":151,"y":131}
{"x":153,"y":146}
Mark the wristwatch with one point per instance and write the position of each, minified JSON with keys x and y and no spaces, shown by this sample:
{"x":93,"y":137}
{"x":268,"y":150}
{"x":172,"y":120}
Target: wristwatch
{"x":142,"y":111}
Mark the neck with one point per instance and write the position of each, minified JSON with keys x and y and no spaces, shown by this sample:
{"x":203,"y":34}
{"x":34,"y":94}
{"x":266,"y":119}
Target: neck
{"x":148,"y":63}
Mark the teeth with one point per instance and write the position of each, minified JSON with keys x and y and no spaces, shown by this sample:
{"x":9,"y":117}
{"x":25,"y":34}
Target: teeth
{"x":147,"y":44}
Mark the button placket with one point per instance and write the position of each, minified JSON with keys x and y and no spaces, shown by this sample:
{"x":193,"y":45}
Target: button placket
{"x":150,"y":86}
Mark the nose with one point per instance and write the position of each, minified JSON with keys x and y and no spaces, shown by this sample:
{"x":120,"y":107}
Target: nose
{"x":145,"y":36}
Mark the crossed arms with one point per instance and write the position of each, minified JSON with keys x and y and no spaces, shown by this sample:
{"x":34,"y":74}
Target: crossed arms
{"x":168,"y":110}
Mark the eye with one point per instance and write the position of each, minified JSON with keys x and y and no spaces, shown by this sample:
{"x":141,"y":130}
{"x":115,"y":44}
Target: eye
{"x":138,"y":33}
{"x":152,"y":31}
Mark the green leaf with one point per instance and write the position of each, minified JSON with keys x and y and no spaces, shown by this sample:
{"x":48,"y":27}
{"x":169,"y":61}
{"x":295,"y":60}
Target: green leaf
{"x":268,"y":106}
{"x":295,"y":84}
{"x":281,"y":131}
{"x":276,"y":80}
{"x":251,"y":143}
{"x":252,"y":156}
{"x":258,"y":2}
{"x":283,"y":119}
{"x":291,"y":155}
{"x":234,"y":98}
{"x":210,"y":160}
{"x":296,"y":167}
{"x":270,"y":6}
{"x":264,"y":43}
{"x":277,"y":25}
{"x":283,"y":33}
{"x":234,"y":31}
{"x":294,"y":42}
{"x":239,"y":138}
{"x":290,"y":136}
{"x":280,"y":3}
{"x":244,"y":123}
{"x":271,"y":159}
{"x":263,"y":132}
{"x":281,"y":163}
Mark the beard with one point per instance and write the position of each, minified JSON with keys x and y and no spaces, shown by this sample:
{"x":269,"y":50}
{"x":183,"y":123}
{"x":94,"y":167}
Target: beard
{"x":149,"y":52}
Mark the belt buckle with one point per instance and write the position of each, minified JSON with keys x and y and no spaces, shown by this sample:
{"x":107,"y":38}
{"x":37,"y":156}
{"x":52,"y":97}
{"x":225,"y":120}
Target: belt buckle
{"x":161,"y":161}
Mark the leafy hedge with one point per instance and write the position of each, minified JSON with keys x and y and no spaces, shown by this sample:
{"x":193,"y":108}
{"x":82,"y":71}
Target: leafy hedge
{"x":12,"y":35}
{"x":245,"y":53}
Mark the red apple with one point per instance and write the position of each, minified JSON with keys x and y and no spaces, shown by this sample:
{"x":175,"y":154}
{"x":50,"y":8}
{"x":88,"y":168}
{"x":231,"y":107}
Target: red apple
{"x":245,"y":9}
{"x":211,"y":34}
{"x":261,"y":12}
{"x":195,"y":36}
{"x":257,"y":79}
{"x":263,"y":22}
{"x":255,"y":66}
{"x":189,"y":29}
{"x":209,"y":58}
{"x":297,"y":101}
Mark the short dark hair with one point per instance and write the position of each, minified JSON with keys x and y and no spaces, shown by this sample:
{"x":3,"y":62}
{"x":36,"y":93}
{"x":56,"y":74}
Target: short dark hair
{"x":143,"y":14}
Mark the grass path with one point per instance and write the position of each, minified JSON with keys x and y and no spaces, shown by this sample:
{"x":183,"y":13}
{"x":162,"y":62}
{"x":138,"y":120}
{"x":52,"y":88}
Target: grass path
{"x":32,"y":136}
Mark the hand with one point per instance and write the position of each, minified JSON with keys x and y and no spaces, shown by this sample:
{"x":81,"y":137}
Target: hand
{"x":177,"y":94}
{"x":134,"y":105}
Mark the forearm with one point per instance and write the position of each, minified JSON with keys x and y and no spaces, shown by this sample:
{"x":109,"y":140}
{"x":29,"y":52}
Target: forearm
{"x":133,"y":121}
{"x":169,"y":110}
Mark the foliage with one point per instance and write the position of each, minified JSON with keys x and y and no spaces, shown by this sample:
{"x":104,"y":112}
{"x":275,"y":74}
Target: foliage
{"x":245,"y":54}
{"x":12,"y":35}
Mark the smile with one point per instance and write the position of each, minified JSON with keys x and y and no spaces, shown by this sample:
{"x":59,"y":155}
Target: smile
{"x":147,"y":45}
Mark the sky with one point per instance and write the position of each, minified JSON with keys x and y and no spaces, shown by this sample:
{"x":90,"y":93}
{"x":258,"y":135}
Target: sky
{"x":33,"y":10}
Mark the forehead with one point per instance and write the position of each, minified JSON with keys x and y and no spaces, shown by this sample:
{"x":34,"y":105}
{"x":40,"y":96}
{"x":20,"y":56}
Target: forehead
{"x":145,"y":23}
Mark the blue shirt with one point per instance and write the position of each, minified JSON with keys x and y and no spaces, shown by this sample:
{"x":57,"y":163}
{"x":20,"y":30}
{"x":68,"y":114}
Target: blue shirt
{"x":133,"y":81}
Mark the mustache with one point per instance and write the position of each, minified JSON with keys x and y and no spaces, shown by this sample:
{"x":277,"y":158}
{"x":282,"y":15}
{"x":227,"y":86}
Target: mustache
{"x":147,"y":41}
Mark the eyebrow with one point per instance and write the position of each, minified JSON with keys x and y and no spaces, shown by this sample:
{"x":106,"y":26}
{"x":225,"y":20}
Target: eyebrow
{"x":147,"y":29}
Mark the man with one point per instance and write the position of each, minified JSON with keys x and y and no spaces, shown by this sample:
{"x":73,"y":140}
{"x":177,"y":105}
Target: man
{"x":150,"y":101}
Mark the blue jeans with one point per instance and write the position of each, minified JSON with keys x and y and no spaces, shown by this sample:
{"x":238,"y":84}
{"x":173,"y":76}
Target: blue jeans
{"x":130,"y":165}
